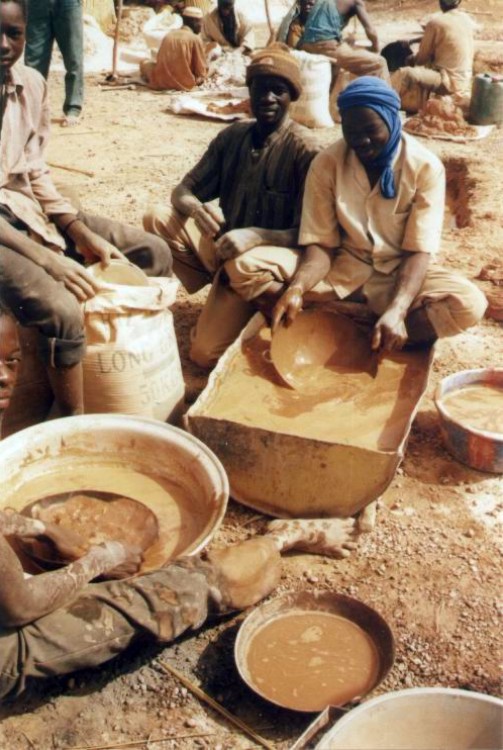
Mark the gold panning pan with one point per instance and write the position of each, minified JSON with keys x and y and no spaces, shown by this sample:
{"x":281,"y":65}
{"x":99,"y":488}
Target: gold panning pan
{"x":318,"y":348}
{"x":307,"y":650}
{"x":95,"y":517}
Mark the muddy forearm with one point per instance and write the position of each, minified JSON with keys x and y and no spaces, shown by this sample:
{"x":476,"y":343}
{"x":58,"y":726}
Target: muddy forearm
{"x":47,"y":592}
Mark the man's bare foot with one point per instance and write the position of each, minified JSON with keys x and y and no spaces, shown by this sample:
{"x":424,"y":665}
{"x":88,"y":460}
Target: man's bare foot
{"x":70,"y":120}
{"x":335,"y":537}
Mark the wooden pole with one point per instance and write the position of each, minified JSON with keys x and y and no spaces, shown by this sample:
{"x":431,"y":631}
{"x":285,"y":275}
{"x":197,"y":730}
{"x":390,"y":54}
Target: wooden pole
{"x":115,"y":53}
{"x":269,"y":22}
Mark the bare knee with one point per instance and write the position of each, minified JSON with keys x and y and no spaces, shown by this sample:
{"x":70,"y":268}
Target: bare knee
{"x":156,"y":219}
{"x":202,"y":356}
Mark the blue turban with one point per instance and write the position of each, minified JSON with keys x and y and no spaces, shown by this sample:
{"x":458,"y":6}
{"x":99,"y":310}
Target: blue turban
{"x":375,"y":94}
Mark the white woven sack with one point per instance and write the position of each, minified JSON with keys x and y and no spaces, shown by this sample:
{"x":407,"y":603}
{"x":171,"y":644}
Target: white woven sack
{"x":132,"y":364}
{"x":313,"y":107}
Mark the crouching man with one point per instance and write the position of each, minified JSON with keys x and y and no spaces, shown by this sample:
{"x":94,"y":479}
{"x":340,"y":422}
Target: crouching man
{"x":39,"y":283}
{"x":57,"y":622}
{"x":371,"y":221}
{"x":257,"y":170}
{"x":443,"y":63}
{"x":181,"y":60}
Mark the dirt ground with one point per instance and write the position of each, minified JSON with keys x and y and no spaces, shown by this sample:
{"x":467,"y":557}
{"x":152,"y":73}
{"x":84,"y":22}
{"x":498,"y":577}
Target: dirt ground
{"x":432,"y":564}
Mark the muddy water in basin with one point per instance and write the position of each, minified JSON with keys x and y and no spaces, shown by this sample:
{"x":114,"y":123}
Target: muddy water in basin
{"x":309,"y":660}
{"x":476,"y":406}
{"x":179,"y":519}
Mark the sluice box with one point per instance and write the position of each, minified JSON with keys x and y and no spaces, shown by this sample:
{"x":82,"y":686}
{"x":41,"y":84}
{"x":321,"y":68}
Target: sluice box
{"x":294,"y":454}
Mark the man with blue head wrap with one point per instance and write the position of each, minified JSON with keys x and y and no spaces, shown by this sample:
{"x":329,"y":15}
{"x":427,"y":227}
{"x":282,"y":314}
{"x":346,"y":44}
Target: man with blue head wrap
{"x":371,"y":220}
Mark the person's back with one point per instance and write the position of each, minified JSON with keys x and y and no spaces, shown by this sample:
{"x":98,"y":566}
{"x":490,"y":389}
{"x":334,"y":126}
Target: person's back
{"x":180,"y":61}
{"x":454,"y":46}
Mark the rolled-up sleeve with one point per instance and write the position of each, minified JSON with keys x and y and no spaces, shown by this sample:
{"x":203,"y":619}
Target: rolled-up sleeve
{"x":43,"y":187}
{"x":319,"y":224}
{"x":423,"y":229}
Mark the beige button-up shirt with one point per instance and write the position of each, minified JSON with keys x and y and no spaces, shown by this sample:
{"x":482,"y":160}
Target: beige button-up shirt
{"x":342,"y":212}
{"x":26,"y":186}
{"x":448,"y":46}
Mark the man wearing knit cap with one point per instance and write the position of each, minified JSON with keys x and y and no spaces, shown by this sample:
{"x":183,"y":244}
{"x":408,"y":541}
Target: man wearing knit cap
{"x":181,"y":60}
{"x":444,"y":62}
{"x":256,"y":168}
{"x":371,"y":222}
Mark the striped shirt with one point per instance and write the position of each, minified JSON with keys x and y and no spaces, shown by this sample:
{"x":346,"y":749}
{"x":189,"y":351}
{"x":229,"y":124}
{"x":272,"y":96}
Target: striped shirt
{"x":256,"y":187}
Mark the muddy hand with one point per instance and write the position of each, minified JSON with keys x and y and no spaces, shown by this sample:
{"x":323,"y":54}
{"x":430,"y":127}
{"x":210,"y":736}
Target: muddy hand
{"x":287,"y":307}
{"x":246,"y":572}
{"x":68,"y":545}
{"x":129,"y":567}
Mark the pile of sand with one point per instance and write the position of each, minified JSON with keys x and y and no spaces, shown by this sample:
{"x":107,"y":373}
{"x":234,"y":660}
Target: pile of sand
{"x":440,"y":116}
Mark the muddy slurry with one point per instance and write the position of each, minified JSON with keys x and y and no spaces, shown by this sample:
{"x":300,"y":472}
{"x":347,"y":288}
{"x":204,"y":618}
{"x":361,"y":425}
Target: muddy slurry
{"x":362,"y":408}
{"x":477,"y":407}
{"x":309,"y":660}
{"x":146,"y":500}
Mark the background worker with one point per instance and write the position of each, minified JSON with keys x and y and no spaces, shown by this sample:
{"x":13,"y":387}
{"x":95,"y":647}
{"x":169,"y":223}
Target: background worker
{"x":371,"y":220}
{"x":41,"y":285}
{"x":443,"y":63}
{"x":229,"y":27}
{"x":60,"y":21}
{"x":316,"y":26}
{"x":257,"y":170}
{"x":181,"y":60}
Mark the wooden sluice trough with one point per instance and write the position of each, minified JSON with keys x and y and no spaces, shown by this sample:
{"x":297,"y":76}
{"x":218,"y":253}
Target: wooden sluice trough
{"x":294,"y":454}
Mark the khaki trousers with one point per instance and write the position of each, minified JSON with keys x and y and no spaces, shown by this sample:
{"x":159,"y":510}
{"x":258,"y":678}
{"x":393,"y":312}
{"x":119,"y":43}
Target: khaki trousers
{"x":195,"y":263}
{"x":358,"y":61}
{"x":103,"y":621}
{"x":452,"y":303}
{"x":415,"y":86}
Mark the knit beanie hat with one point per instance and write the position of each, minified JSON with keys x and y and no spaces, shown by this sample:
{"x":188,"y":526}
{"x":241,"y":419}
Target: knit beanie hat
{"x":276,"y":60}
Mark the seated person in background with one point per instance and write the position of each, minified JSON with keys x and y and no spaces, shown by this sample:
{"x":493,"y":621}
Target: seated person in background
{"x":52,"y":623}
{"x":181,"y":60}
{"x":41,"y":285}
{"x":443,"y":63}
{"x":228,"y":27}
{"x":371,"y":220}
{"x":316,"y":26}
{"x":257,"y":169}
